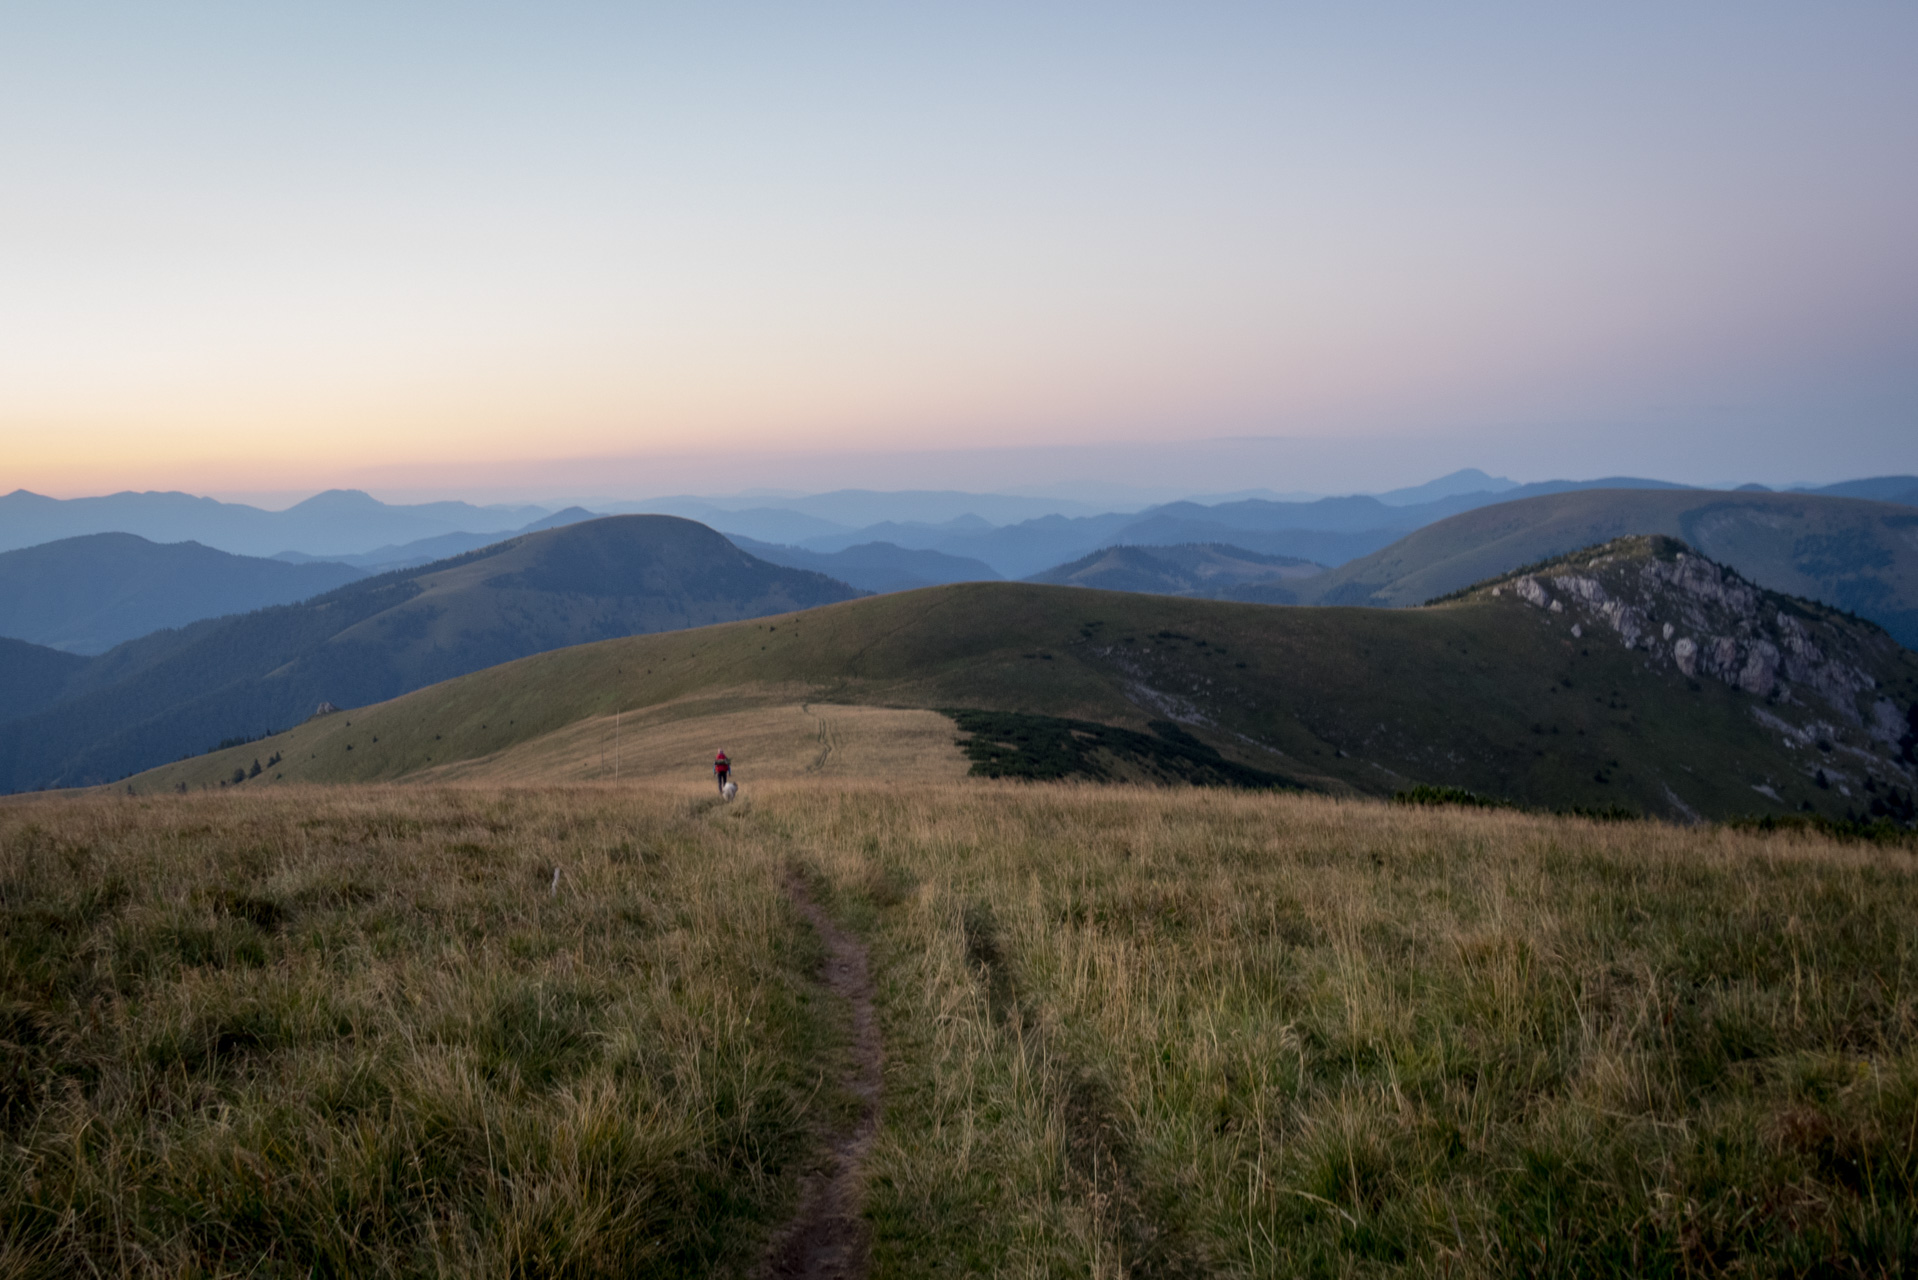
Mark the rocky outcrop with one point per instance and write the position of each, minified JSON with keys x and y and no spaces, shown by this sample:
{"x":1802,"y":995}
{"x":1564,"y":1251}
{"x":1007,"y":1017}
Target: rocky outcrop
{"x":1811,"y":666}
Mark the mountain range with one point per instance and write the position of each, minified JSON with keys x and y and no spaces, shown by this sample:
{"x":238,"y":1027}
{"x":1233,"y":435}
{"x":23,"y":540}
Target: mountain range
{"x":336,"y":522}
{"x":1849,"y":553}
{"x":86,"y":594}
{"x":1328,"y":530}
{"x":120,"y":700}
{"x":1363,"y":538}
{"x":182,"y":691}
{"x":1207,"y":570}
{"x":875,"y":566}
{"x":1636,"y":676}
{"x":1900,"y":489}
{"x":1843,"y":550}
{"x":1015,"y":535}
{"x":408,"y":555}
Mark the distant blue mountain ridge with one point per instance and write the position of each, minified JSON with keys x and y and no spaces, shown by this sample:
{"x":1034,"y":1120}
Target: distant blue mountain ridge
{"x":87,"y":594}
{"x":1014,"y":536}
{"x":875,"y":566}
{"x":336,"y":522}
{"x":1329,"y":531}
{"x":439,"y":547}
{"x":1899,"y":489}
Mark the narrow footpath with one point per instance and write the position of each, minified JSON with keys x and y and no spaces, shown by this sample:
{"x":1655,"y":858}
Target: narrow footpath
{"x":828,"y":1237}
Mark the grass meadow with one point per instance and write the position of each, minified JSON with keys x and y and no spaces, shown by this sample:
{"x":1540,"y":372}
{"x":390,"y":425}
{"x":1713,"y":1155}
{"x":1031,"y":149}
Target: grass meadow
{"x":361,"y":1032}
{"x":1128,"y":1032}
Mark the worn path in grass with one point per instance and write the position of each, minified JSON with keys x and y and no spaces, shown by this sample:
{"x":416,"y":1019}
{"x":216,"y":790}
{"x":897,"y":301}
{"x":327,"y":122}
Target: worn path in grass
{"x":828,"y":1237}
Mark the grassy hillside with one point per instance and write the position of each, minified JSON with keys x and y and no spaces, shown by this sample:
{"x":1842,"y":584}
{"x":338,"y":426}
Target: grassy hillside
{"x":1855,"y":555}
{"x":1487,"y":693}
{"x":87,"y":594}
{"x":380,"y":637}
{"x":1115,"y":1031}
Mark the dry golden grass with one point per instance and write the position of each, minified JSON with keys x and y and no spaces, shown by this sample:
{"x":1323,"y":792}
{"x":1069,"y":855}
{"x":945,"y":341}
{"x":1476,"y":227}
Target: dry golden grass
{"x":767,"y":743}
{"x":1141,"y":1032}
{"x":362,"y":1032}
{"x":1128,"y":1032}
{"x":773,"y":731}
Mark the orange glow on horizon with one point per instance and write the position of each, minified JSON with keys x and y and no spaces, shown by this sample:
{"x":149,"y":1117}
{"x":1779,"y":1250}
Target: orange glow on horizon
{"x":320,"y":247}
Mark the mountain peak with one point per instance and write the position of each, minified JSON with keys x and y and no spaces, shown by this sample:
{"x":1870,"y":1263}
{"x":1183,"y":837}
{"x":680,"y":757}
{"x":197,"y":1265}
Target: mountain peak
{"x":338,"y":501}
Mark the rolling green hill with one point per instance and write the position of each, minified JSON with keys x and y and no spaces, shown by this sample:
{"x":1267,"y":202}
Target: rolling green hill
{"x":1856,"y":555}
{"x":180,"y":692}
{"x":1489,"y":692}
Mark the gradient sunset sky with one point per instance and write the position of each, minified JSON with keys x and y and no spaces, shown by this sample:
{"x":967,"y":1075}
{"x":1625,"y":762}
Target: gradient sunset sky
{"x":567,"y":249}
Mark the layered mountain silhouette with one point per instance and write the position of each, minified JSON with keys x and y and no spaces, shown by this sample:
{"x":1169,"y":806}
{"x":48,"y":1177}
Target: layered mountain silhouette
{"x":1016,"y":535}
{"x":74,"y":719}
{"x":407,"y":555}
{"x":1636,"y":676}
{"x":1850,"y":553}
{"x":182,"y":691}
{"x":338,"y":521}
{"x":875,"y":566}
{"x":87,"y":594}
{"x":1326,"y":530}
{"x":1900,"y":489}
{"x":1209,"y":570}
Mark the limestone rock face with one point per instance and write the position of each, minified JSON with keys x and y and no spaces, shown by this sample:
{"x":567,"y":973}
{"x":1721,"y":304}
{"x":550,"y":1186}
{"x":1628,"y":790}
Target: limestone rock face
{"x":1808,"y":665}
{"x":1760,"y":671}
{"x":1587,"y":589}
{"x":1887,"y":725}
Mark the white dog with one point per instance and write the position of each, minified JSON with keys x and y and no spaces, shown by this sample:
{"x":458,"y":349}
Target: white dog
{"x":730,"y":790}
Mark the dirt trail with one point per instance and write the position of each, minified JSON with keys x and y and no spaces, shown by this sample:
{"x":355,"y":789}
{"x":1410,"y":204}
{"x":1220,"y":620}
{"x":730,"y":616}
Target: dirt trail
{"x":828,"y":1236}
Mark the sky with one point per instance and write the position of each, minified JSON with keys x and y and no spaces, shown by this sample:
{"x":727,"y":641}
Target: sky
{"x":534,"y":251}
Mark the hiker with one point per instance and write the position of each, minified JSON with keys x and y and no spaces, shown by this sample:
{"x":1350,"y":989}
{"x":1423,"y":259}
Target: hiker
{"x":722,"y":769}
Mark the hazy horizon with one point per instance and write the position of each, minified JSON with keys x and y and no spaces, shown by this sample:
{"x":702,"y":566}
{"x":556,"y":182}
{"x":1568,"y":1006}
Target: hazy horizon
{"x":1091,"y":495}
